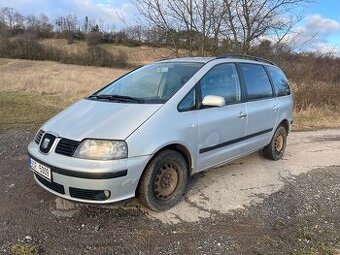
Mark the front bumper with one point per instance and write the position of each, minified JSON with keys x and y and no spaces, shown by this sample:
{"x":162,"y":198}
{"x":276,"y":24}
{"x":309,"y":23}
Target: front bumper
{"x":86,"y":180}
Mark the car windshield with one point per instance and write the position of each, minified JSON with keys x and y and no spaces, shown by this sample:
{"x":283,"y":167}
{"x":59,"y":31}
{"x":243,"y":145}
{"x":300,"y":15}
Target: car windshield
{"x":154,"y":83}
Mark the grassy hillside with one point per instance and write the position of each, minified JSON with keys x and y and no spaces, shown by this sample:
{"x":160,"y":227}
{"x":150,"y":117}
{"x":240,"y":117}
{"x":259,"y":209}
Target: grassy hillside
{"x":33,"y":91}
{"x":52,"y":78}
{"x":135,"y":55}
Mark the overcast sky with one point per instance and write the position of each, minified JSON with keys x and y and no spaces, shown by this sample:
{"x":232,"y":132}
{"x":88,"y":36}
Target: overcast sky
{"x":321,"y":18}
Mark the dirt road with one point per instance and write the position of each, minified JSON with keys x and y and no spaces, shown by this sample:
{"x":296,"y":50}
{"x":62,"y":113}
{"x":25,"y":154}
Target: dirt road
{"x":251,"y":206}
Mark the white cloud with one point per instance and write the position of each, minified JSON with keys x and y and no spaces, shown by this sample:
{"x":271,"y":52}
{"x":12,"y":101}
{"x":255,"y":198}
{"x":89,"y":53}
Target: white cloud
{"x":313,"y":34}
{"x":322,"y":25}
{"x":326,"y":48}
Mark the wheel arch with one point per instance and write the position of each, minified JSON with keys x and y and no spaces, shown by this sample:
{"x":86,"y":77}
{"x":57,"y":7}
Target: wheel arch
{"x":284,"y":123}
{"x":183,"y":150}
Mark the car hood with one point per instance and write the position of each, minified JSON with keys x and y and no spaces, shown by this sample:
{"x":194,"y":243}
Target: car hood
{"x":99,"y":119}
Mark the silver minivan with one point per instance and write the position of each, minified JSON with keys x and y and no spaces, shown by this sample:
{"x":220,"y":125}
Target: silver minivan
{"x":147,"y":132}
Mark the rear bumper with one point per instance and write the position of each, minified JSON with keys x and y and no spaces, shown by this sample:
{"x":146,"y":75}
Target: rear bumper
{"x":89,"y":181}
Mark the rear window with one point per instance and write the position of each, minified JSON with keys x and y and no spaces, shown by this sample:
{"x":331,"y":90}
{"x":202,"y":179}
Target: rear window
{"x":280,"y":81}
{"x":256,"y":81}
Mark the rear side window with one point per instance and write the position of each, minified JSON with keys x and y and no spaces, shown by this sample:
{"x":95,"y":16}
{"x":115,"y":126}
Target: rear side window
{"x":280,"y":81}
{"x":222,"y":80}
{"x":256,"y":81}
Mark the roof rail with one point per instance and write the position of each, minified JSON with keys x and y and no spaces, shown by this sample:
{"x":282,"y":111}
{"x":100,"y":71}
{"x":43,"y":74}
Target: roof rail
{"x":243,"y":56}
{"x":162,"y":59}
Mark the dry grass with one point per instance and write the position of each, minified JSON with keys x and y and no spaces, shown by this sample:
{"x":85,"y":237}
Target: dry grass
{"x":144,"y":54}
{"x":314,"y":118}
{"x":54,"y":78}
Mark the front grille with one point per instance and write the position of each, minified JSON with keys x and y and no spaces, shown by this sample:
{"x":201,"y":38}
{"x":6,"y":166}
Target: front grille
{"x":88,"y":194}
{"x":51,"y":185}
{"x":38,"y":137}
{"x":66,"y":147}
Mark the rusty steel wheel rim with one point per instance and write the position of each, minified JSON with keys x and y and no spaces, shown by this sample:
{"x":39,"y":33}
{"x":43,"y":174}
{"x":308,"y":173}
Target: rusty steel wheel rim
{"x":279,"y":142}
{"x":166,"y":181}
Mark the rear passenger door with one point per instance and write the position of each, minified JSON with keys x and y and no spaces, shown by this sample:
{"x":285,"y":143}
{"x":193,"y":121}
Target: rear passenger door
{"x":261,"y":108}
{"x":221,"y":129}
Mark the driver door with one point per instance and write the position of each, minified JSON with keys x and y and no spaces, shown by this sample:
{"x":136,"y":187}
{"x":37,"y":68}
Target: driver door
{"x":221,"y":129}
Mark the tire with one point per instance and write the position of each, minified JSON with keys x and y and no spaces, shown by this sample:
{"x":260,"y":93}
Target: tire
{"x":277,"y":146}
{"x":164,"y":181}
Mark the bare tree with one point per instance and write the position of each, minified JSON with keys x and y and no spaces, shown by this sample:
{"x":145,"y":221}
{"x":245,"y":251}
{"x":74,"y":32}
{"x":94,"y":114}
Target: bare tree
{"x":135,"y":33}
{"x":198,"y":20}
{"x":248,"y":20}
{"x":67,"y":26}
{"x":40,"y":26}
{"x":201,"y":18}
{"x":86,"y":24}
{"x":158,"y":15}
{"x":11,"y":20}
{"x":206,"y":23}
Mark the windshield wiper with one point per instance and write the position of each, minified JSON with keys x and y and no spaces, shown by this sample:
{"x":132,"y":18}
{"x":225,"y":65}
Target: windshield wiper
{"x":117,"y":98}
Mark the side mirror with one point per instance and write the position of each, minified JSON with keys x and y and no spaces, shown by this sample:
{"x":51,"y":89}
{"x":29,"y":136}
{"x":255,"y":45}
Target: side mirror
{"x":213,"y":101}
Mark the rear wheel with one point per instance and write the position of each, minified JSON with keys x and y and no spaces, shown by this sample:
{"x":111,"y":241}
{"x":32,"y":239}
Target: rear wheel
{"x":164,"y":181}
{"x":277,"y":146}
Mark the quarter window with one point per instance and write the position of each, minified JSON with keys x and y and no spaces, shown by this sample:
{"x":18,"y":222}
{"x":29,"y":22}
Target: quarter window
{"x":280,"y":81}
{"x":222,"y":80}
{"x":256,"y":81}
{"x":188,"y":102}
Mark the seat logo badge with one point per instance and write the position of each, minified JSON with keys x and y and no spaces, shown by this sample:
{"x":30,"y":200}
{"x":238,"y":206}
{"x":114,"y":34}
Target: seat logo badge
{"x":45,"y":143}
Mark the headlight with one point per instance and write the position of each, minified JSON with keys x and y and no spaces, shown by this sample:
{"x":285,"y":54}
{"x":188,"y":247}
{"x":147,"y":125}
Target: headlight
{"x":101,"y":149}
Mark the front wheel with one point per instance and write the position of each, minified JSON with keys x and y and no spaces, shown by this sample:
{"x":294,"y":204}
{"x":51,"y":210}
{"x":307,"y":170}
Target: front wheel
{"x":277,"y":146}
{"x":164,"y":181}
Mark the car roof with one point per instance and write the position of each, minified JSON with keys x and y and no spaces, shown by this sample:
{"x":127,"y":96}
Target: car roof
{"x":188,"y":59}
{"x":227,"y":57}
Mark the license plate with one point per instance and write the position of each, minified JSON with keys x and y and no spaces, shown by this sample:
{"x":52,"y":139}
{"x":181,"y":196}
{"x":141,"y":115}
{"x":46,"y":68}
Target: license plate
{"x":40,"y":169}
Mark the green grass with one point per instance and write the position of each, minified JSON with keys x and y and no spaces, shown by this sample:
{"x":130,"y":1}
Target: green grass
{"x":324,"y":249}
{"x":26,"y":110}
{"x":4,"y":61}
{"x":24,"y":249}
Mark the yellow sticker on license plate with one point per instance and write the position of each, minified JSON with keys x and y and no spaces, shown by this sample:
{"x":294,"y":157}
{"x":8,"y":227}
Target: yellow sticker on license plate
{"x":40,"y":169}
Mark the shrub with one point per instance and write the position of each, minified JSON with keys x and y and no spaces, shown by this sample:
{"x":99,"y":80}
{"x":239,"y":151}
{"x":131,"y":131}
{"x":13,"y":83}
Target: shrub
{"x":93,"y":38}
{"x":98,"y":56}
{"x":5,"y":46}
{"x":121,"y":58}
{"x":28,"y":47}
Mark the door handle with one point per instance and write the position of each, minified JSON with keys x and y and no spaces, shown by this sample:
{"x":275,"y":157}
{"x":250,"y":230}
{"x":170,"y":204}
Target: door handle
{"x":275,"y":108}
{"x":242,"y":115}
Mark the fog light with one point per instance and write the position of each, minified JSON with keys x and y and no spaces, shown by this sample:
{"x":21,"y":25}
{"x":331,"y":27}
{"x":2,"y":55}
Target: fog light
{"x":107,"y":193}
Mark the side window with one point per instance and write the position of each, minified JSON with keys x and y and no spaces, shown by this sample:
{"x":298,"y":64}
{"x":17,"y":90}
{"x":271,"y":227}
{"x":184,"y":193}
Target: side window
{"x":280,"y":81}
{"x":256,"y":81}
{"x":188,"y":102}
{"x":222,"y":80}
